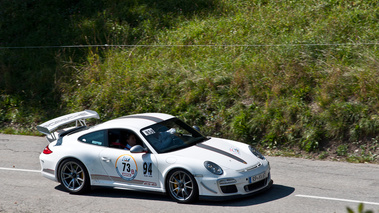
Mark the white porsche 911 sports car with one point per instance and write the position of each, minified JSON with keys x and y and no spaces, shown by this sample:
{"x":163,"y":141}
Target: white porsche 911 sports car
{"x":150,"y":152}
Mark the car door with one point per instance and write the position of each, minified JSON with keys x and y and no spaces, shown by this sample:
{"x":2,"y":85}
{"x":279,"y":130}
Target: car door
{"x":94,"y":143}
{"x":130,"y":170}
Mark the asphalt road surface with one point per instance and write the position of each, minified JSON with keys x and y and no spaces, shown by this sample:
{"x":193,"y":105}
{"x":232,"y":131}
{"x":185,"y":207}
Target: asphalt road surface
{"x":300,"y":185}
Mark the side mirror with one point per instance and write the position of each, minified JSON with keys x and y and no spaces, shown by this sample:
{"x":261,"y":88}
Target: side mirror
{"x":137,"y":149}
{"x":196,"y":128}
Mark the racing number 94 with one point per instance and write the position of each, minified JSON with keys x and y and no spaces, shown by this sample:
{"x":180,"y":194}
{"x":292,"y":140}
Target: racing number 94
{"x":147,"y":169}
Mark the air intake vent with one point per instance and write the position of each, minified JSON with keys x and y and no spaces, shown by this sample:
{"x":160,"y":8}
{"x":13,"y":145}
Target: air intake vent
{"x":250,"y":168}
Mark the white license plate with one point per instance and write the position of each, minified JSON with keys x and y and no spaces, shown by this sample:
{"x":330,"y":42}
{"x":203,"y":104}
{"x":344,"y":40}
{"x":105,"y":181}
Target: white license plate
{"x":257,"y":177}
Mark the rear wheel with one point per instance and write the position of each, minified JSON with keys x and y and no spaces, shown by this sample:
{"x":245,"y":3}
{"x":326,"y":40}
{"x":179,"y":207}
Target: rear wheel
{"x":74,"y":176}
{"x":182,"y":186}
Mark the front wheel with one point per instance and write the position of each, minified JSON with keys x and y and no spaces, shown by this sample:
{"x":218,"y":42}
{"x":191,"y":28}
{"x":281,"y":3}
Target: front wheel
{"x":182,"y":186}
{"x":74,"y":176}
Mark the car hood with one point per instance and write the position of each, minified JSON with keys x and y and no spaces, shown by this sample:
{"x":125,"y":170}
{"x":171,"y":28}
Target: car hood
{"x":225,"y":153}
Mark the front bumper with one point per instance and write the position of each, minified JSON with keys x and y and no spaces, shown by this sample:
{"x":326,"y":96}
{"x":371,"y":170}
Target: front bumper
{"x":235,"y":184}
{"x":236,"y":196}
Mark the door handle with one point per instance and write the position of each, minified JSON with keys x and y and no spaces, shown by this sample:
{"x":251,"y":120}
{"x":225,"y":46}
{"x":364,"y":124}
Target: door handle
{"x":106,"y":159}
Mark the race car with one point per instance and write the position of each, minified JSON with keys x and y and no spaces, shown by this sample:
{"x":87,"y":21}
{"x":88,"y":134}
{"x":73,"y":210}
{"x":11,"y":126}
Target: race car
{"x":150,"y":152}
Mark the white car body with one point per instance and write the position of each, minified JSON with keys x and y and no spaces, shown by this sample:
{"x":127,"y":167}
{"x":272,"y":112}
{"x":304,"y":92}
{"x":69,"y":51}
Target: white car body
{"x":243,"y":173}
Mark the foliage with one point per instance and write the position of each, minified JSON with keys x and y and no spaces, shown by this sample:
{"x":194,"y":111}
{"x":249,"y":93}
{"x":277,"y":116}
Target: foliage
{"x":360,"y":209}
{"x":281,"y":91}
{"x":342,"y":150}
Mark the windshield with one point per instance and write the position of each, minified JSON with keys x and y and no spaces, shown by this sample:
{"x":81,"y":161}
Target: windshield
{"x":171,"y":135}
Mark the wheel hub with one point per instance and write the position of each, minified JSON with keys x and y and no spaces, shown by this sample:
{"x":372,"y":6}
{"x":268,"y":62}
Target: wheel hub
{"x":181,"y":185}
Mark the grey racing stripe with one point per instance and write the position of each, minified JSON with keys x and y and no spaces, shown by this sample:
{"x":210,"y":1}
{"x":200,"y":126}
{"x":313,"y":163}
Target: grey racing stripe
{"x":151,"y":118}
{"x":220,"y":152}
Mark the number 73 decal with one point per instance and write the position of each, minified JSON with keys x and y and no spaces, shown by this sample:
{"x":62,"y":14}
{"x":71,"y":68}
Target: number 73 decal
{"x":126,"y":167}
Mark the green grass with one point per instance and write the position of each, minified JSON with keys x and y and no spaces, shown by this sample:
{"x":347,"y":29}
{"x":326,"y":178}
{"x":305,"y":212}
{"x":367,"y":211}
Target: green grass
{"x":285,"y":93}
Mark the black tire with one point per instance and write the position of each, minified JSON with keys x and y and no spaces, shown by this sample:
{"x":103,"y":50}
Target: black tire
{"x":74,"y":176}
{"x":182,"y":186}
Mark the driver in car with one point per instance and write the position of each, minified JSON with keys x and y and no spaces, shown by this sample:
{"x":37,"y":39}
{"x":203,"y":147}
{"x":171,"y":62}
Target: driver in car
{"x":130,"y":141}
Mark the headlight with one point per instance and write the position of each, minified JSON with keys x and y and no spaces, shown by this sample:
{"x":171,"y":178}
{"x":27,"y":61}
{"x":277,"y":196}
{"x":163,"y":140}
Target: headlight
{"x":214,"y":168}
{"x":256,"y":153}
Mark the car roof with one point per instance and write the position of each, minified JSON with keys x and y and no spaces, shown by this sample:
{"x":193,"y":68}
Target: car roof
{"x":135,"y":121}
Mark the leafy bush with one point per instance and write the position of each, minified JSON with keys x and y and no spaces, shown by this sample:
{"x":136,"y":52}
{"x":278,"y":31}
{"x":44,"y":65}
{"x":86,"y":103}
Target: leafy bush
{"x":246,"y":70}
{"x":342,"y":150}
{"x":360,"y":209}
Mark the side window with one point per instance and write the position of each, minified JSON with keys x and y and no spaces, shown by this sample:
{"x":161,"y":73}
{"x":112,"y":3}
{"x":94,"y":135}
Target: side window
{"x":115,"y":138}
{"x":123,"y":138}
{"x":95,"y":138}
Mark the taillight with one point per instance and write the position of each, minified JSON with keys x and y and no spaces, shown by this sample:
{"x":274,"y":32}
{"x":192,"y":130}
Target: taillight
{"x":47,"y":150}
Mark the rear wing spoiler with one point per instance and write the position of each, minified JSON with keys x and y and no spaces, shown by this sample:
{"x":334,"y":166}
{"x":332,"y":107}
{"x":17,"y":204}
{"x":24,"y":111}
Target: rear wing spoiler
{"x":48,"y":127}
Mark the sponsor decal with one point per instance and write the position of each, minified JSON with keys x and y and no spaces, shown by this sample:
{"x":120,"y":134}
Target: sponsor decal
{"x":235,"y":150}
{"x":126,"y":167}
{"x":149,"y":184}
{"x":65,"y":118}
